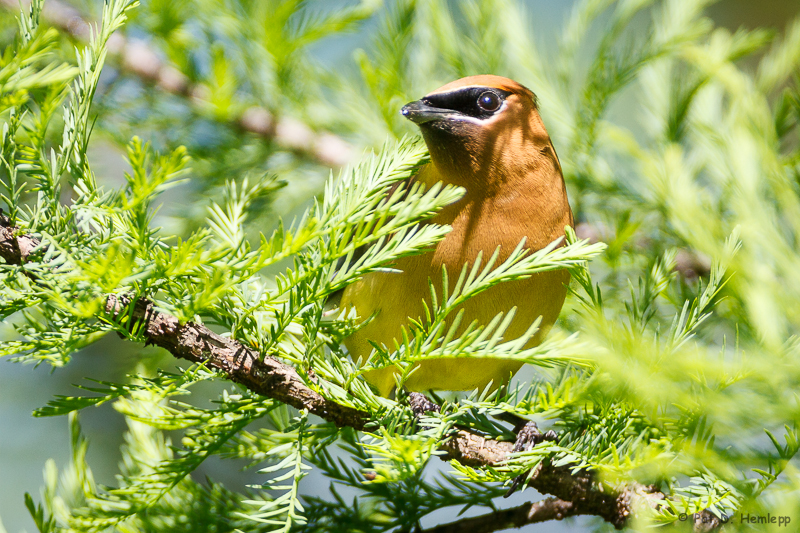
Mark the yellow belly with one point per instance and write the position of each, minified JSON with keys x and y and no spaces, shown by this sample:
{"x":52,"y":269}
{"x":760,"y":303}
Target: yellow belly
{"x":396,"y":297}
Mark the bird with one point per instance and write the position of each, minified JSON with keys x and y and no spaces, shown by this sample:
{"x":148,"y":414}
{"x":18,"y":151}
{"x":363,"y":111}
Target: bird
{"x":484,"y":134}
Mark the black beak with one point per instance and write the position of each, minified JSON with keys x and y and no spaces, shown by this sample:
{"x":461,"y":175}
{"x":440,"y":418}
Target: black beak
{"x":419,"y":112}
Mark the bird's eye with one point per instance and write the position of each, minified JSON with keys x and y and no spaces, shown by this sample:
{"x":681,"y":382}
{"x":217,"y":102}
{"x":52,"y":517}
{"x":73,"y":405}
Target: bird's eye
{"x":489,"y":101}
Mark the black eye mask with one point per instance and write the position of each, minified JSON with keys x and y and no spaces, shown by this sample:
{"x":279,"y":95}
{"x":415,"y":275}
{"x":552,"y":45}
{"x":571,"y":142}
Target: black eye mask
{"x":477,"y":102}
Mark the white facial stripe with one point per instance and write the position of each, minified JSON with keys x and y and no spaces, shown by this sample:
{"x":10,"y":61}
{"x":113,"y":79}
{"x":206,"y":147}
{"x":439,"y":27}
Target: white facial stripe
{"x":475,"y":120}
{"x":465,"y":118}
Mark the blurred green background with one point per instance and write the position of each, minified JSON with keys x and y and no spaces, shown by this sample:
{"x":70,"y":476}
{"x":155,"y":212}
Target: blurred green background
{"x":129,"y":103}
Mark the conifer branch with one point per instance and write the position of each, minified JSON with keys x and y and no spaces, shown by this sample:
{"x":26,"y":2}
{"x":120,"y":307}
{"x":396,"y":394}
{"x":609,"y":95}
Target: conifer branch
{"x":263,"y":375}
{"x":142,"y":61}
{"x":577,"y":493}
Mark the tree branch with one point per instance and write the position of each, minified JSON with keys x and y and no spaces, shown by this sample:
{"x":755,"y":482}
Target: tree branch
{"x":263,"y":375}
{"x":577,"y":493}
{"x":528,"y":513}
{"x":142,"y":61}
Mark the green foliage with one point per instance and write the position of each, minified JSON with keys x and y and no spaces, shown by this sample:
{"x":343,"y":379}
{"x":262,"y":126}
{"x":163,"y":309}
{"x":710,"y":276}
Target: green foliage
{"x":286,"y":510}
{"x":676,"y":358}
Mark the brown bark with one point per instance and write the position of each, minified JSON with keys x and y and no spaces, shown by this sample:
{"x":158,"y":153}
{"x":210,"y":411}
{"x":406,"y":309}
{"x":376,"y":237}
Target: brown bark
{"x":15,"y":249}
{"x":263,"y":375}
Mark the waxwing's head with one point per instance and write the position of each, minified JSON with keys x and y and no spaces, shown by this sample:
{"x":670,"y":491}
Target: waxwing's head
{"x":481,"y":125}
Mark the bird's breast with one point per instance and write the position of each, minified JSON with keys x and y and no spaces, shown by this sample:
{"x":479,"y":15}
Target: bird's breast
{"x":480,"y":226}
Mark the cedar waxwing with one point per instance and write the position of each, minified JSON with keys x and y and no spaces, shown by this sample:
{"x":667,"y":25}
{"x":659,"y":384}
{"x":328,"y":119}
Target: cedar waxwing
{"x":484,"y":134}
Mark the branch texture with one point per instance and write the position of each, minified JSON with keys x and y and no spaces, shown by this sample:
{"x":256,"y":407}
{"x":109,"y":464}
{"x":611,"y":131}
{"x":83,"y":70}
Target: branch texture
{"x":14,"y":249}
{"x":266,"y":376}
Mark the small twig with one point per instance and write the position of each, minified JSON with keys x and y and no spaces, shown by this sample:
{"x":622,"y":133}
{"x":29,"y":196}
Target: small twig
{"x":528,"y":436}
{"x":528,"y":513}
{"x":15,"y":249}
{"x":139,"y":59}
{"x":421,"y":404}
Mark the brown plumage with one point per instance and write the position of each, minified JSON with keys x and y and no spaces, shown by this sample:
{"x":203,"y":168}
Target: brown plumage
{"x":505,"y":160}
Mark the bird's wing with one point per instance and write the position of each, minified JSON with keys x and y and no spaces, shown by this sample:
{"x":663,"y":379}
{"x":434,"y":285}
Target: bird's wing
{"x":334,"y":299}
